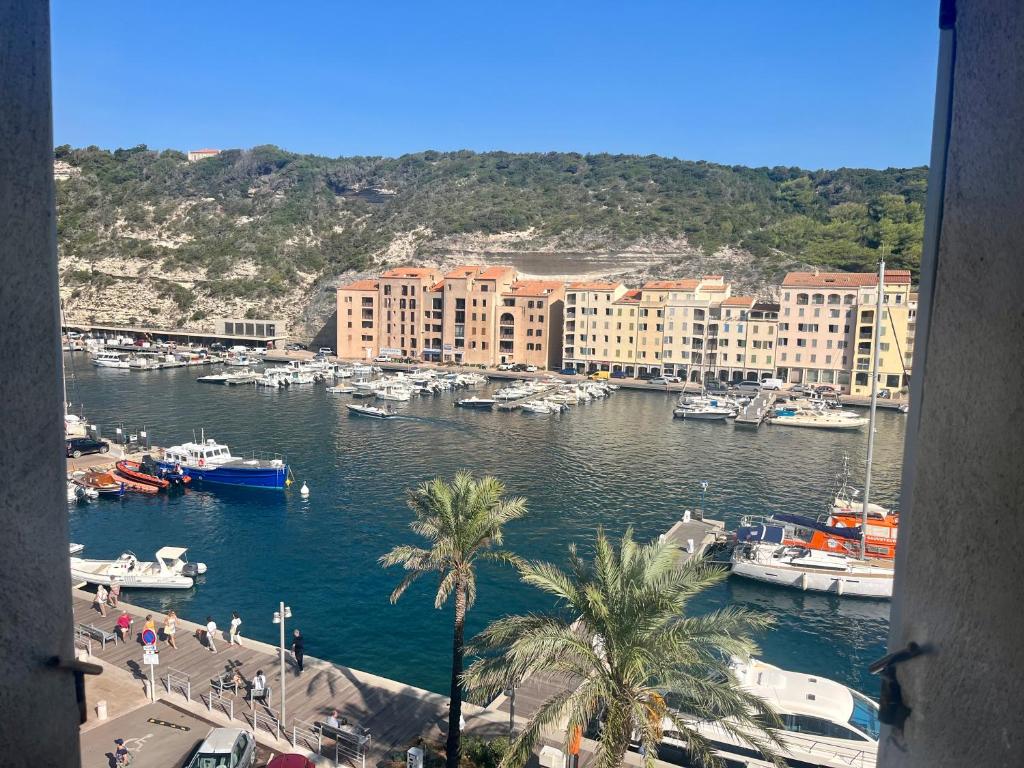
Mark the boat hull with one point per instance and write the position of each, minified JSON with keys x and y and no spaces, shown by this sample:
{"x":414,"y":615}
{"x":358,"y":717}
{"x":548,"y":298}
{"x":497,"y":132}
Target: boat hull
{"x":273,"y":478}
{"x":834,"y":582}
{"x":80,"y":571}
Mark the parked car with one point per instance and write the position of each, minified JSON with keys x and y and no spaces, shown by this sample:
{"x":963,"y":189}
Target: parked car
{"x":228,"y":747}
{"x":325,"y":351}
{"x":619,"y":375}
{"x":79,"y":446}
{"x":293,"y":346}
{"x":568,"y":371}
{"x":530,"y":368}
{"x":291,"y":761}
{"x":800,"y":389}
{"x":382,"y":359}
{"x":600,"y":376}
{"x":716,"y":387}
{"x":772,"y":384}
{"x":826,"y":389}
{"x":748,"y":386}
{"x":659,"y":380}
{"x":505,"y":366}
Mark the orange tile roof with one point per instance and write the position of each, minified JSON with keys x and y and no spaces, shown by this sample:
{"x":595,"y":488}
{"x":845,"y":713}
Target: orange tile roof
{"x":494,"y":273}
{"x":680,"y":285}
{"x":585,"y":286}
{"x":844,"y":279}
{"x":408,"y":272}
{"x":533,"y":287}
{"x":468,"y":270}
{"x":360,"y":285}
{"x":738,"y":301}
{"x":629,"y":297}
{"x":438,"y":286}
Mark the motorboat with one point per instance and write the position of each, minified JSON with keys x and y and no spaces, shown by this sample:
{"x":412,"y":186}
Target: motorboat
{"x":824,"y":723}
{"x":103,"y":483}
{"x":538,"y":407}
{"x":341,"y":390}
{"x":134,"y":485}
{"x":107,"y":359}
{"x":169,"y":570}
{"x":240,"y":361}
{"x":764,"y":552}
{"x":211,"y":462}
{"x":816,"y":418}
{"x":149,"y":472}
{"x":77,"y":492}
{"x":395,"y":392}
{"x":75,"y":549}
{"x":476,"y":402}
{"x":371,"y":411}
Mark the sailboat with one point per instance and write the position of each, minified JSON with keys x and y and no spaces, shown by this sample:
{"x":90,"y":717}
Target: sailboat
{"x":766,"y":550}
{"x":703,"y":407}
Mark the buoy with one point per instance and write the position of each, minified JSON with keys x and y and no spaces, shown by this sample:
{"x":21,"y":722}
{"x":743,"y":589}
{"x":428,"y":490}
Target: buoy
{"x":304,"y":490}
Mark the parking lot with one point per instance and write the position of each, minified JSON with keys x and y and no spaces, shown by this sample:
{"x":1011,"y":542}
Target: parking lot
{"x":158,"y":735}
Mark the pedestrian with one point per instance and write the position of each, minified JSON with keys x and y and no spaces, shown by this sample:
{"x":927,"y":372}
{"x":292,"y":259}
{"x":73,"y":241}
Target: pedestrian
{"x":121,"y":754}
{"x":101,"y":599}
{"x":259,"y":682}
{"x":150,"y":624}
{"x":236,"y":622}
{"x":114,"y":596}
{"x":211,"y":630}
{"x":332,"y":721}
{"x":170,"y":628}
{"x":298,"y":648}
{"x":124,"y":625}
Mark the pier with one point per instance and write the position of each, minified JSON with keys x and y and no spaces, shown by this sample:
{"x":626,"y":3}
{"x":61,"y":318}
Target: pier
{"x":510,"y":405}
{"x":757,"y":409}
{"x":695,"y":535}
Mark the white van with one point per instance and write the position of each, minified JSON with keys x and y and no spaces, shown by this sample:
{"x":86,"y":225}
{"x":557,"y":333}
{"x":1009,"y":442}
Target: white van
{"x":772,"y":383}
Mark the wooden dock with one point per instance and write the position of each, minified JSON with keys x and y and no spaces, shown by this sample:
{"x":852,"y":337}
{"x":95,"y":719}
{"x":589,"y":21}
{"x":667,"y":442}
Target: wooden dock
{"x":757,"y":409}
{"x":695,"y":535}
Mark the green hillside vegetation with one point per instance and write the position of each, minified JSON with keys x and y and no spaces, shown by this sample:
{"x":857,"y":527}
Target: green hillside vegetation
{"x":291,"y":213}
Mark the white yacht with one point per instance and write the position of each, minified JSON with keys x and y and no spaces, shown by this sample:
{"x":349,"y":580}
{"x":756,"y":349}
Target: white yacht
{"x":476,"y":402}
{"x":703,"y":412}
{"x":825,"y":723}
{"x":816,"y":418}
{"x":340,"y":390}
{"x":396,"y":392}
{"x":170,"y":570}
{"x":767,"y":552}
{"x":111,"y":360}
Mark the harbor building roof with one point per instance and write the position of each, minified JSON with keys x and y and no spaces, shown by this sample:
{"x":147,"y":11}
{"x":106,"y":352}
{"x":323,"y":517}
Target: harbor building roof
{"x":689,"y":284}
{"x":408,"y":272}
{"x":461,"y":273}
{"x":818,"y":279}
{"x":739,"y":301}
{"x":593,"y":286}
{"x":533,"y":287}
{"x":629,"y":297}
{"x":493,"y":273}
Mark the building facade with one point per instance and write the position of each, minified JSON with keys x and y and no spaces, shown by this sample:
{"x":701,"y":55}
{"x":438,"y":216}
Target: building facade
{"x":589,"y":309}
{"x":530,"y":324}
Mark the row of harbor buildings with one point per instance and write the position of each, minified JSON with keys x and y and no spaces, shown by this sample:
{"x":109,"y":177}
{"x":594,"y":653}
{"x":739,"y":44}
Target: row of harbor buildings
{"x":820,"y":329}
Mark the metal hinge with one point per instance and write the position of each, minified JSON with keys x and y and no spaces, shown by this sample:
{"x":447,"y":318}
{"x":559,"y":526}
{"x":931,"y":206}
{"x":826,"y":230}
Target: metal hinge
{"x":892,"y":710}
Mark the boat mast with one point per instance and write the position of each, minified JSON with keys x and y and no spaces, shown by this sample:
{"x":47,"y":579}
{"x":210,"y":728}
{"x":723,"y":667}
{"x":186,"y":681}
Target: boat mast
{"x":874,"y":403}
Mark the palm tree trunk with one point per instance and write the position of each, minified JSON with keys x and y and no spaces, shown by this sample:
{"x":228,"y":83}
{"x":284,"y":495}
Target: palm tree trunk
{"x":615,"y":734}
{"x":453,"y":747}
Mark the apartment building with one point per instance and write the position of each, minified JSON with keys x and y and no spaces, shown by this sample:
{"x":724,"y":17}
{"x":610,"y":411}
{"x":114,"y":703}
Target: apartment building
{"x":746,"y":339}
{"x":471,"y":297}
{"x":384,"y":316}
{"x":358,"y":319}
{"x":820,"y":325}
{"x":530,"y":324}
{"x":589,"y":308}
{"x":894,"y":353}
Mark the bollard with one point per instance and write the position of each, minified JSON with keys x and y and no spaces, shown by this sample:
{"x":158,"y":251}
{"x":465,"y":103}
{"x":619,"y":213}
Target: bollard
{"x":686,"y":516}
{"x":101,"y":709}
{"x":690,"y":547}
{"x":148,"y":686}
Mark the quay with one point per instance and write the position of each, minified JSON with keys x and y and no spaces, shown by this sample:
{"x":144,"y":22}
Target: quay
{"x":757,"y":409}
{"x":695,"y":535}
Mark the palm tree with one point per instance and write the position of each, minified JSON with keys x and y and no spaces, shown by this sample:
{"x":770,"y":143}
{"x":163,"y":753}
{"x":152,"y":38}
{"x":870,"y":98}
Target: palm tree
{"x":461,"y":521}
{"x":621,"y":633}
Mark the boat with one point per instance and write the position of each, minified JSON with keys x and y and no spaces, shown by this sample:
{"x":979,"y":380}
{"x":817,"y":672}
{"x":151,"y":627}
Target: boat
{"x":371,"y":411}
{"x":134,"y":485}
{"x":103,"y":483}
{"x":75,"y":549}
{"x":231,"y":378}
{"x":703,"y":412}
{"x":240,"y":361}
{"x":763,"y":553}
{"x":341,"y":390}
{"x":816,"y":419}
{"x":169,"y":570}
{"x":824,"y":723}
{"x":211,"y":462}
{"x":361,"y":393}
{"x":538,"y":407}
{"x":78,"y":492}
{"x":147,"y":471}
{"x":395,"y":392}
{"x":476,"y":402}
{"x":111,"y":360}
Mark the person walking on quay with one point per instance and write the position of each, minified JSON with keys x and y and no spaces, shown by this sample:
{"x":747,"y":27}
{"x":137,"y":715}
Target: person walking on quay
{"x":101,"y":599}
{"x":298,"y":648}
{"x":124,"y":626}
{"x":170,"y":628}
{"x":150,"y":624}
{"x":236,"y":623}
{"x":211,"y":630}
{"x":114,"y":596}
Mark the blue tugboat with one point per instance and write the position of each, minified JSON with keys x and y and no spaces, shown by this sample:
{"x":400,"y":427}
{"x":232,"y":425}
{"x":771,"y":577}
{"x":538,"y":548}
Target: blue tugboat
{"x":212,"y":462}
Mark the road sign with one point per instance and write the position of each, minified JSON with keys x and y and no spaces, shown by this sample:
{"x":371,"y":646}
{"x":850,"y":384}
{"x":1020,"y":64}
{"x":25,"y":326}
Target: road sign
{"x":148,"y":637}
{"x":150,"y":656}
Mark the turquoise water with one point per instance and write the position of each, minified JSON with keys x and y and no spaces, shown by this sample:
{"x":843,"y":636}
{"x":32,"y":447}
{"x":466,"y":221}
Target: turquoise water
{"x":617,"y":462}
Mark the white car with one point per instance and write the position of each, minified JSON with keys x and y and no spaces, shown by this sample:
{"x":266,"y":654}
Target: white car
{"x":505,"y":366}
{"x":225,"y":748}
{"x":325,"y":351}
{"x":531,"y":369}
{"x":382,"y":359}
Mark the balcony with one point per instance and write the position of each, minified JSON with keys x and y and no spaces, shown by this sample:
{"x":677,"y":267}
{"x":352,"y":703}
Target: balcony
{"x":367,"y":302}
{"x":460,"y":331}
{"x":571,"y":325}
{"x":507,"y":333}
{"x":367,"y":314}
{"x":505,"y":346}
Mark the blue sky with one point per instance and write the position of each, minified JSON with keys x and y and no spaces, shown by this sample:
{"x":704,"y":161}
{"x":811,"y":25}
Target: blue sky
{"x":815,"y":84}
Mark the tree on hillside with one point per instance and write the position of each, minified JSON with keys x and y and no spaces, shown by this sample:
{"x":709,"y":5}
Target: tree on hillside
{"x":621,"y":632}
{"x":462,"y":522}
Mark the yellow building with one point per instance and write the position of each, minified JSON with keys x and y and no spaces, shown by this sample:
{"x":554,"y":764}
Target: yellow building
{"x":588,"y":328}
{"x":746,"y":339}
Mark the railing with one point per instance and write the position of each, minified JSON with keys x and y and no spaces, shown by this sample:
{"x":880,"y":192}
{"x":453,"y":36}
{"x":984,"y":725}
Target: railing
{"x":175,"y":678}
{"x":227,"y":705}
{"x":83,"y":641}
{"x":267,"y":719}
{"x":307,"y":733}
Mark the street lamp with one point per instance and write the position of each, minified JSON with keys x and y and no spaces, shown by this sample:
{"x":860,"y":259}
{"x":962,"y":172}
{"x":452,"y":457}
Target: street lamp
{"x":703,"y":490}
{"x":510,"y":692}
{"x":283,"y":612}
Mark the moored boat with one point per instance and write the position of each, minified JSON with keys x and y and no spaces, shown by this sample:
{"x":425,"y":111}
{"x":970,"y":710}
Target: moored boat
{"x":104,"y":483}
{"x":476,"y":402}
{"x":169,"y":570}
{"x":213,"y":462}
{"x":149,"y":472}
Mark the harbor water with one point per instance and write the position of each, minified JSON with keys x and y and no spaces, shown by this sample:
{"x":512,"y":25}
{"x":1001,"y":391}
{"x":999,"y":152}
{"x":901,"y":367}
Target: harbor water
{"x":618,"y":462}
